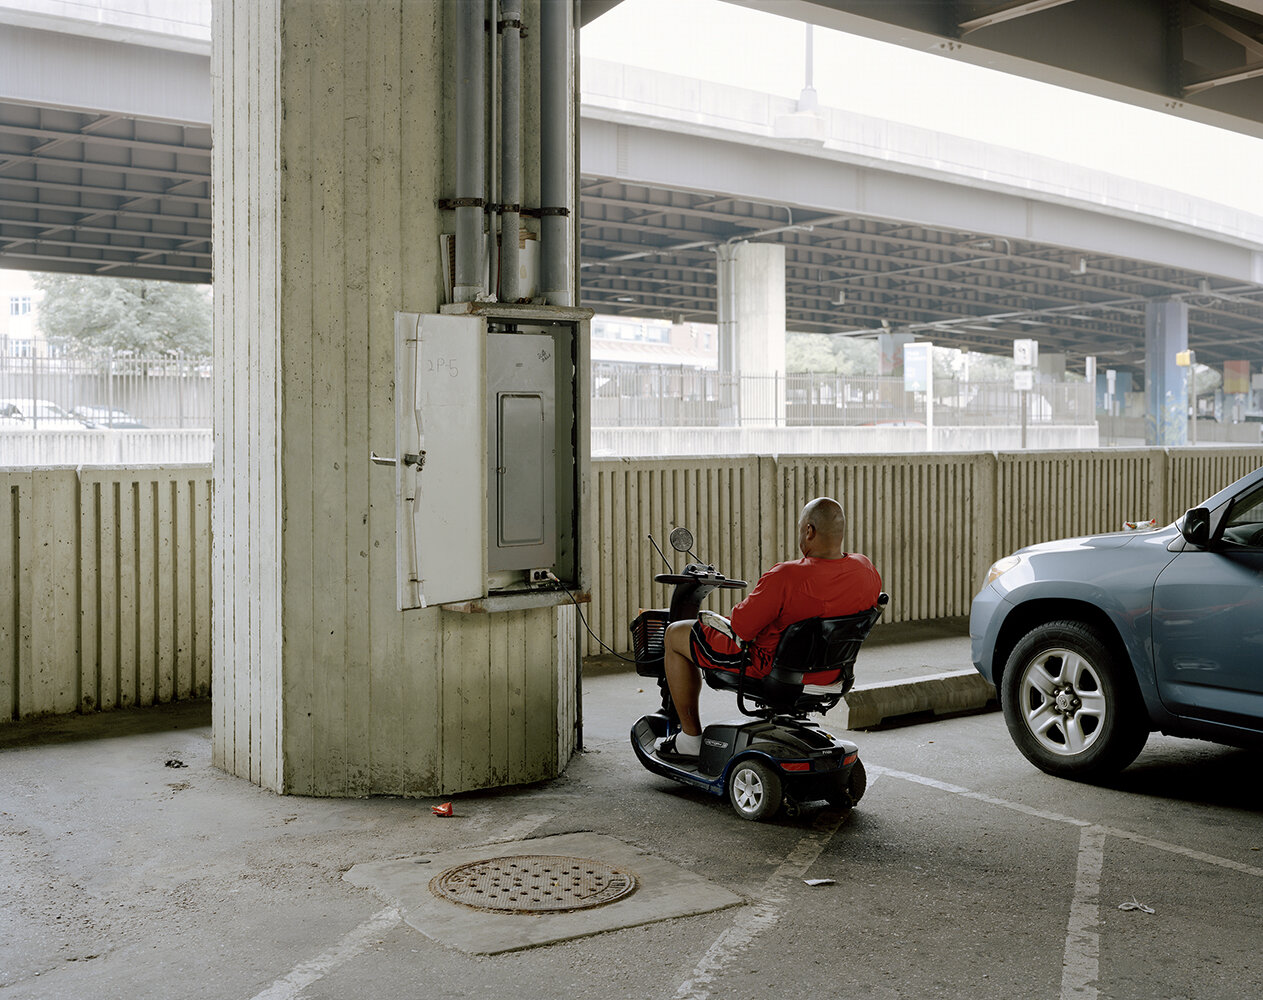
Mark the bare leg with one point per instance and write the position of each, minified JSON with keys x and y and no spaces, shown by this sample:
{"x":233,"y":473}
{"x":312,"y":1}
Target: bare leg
{"x":683,"y":676}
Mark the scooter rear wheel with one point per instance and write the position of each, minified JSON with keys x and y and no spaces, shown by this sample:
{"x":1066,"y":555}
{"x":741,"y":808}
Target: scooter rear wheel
{"x":754,"y":790}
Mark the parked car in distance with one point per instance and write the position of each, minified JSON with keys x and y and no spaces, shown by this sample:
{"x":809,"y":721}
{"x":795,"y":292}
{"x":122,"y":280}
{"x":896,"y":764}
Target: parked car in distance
{"x":43,"y":414}
{"x":1095,"y":642}
{"x":103,"y":416}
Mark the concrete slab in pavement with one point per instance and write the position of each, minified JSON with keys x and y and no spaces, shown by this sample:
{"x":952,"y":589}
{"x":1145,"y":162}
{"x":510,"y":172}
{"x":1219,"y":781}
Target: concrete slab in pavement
{"x":663,"y":891}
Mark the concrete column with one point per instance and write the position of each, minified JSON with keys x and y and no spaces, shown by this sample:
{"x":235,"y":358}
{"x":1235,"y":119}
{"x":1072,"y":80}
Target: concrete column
{"x":327,"y":223}
{"x":1052,"y":366}
{"x":1166,"y":385}
{"x":752,"y":327}
{"x":890,"y":348}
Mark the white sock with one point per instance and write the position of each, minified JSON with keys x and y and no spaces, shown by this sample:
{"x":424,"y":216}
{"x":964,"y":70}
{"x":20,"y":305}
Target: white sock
{"x":684,"y":743}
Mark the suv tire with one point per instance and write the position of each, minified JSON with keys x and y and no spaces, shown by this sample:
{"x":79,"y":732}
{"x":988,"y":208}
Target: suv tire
{"x":1071,"y":704}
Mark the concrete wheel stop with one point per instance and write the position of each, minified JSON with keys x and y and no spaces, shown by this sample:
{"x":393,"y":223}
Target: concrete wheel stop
{"x":511,"y":896}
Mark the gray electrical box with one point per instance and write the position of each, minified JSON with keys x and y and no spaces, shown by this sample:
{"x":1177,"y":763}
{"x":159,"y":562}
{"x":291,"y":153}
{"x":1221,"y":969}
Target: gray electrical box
{"x":521,"y":451}
{"x":491,"y":456}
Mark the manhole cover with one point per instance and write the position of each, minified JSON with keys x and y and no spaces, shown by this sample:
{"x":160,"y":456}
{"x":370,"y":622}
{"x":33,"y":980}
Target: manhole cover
{"x":533,"y":883}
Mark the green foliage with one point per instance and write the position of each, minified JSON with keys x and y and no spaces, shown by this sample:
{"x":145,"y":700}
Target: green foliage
{"x":824,"y":353}
{"x":90,"y":315}
{"x":1206,"y":380}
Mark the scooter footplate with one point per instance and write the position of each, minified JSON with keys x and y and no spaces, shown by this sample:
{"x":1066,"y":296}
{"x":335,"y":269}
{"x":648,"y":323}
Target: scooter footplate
{"x":645,"y":733}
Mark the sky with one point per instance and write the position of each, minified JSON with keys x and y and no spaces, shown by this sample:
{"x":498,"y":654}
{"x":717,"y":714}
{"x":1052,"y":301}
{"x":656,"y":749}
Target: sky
{"x":724,"y":43}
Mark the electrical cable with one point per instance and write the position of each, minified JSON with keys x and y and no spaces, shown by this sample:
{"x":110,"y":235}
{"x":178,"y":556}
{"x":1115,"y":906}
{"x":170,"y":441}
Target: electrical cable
{"x":579,"y":611}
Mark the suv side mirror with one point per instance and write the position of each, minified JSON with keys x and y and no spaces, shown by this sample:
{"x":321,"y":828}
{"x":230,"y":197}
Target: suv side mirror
{"x":1196,"y":527}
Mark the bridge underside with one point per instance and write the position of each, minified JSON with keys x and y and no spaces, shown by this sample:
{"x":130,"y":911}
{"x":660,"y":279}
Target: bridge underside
{"x":1198,"y":59}
{"x":126,"y":193}
{"x":646,"y":253}
{"x":129,"y":197}
{"x":104,"y":194}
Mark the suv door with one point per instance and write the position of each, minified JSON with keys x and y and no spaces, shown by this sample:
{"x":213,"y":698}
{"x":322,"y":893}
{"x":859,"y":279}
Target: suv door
{"x":1208,"y":621}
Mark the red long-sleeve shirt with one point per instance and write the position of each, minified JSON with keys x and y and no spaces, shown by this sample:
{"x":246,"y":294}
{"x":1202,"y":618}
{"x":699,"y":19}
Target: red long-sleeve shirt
{"x":804,"y":588}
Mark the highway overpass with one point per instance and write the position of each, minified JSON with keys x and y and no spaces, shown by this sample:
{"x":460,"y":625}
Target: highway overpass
{"x":105,"y":168}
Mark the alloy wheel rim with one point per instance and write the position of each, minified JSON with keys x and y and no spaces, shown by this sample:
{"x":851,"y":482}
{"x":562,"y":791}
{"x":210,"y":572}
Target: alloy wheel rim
{"x":748,"y":789}
{"x":1063,"y":702}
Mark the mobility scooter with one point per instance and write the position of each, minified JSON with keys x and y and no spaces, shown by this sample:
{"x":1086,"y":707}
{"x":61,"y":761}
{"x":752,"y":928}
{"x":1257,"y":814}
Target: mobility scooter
{"x":775,"y":755}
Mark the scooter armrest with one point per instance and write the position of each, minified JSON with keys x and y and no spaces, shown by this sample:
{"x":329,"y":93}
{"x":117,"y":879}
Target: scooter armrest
{"x":719,"y":623}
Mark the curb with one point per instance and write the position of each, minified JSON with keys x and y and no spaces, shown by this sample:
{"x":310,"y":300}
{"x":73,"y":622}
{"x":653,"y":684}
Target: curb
{"x":942,"y":694}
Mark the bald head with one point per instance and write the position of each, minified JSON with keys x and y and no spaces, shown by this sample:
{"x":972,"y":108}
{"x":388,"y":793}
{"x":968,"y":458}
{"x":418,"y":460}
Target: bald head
{"x":821,"y":527}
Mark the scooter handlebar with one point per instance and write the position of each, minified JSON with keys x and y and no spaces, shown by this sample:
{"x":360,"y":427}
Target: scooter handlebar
{"x":714,"y":581}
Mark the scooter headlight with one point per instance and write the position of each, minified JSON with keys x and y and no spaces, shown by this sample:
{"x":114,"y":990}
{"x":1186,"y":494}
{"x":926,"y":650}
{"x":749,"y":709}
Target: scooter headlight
{"x":998,"y":569}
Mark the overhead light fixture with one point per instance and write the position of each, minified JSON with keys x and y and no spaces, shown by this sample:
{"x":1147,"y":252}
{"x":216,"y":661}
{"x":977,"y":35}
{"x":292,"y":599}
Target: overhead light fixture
{"x":624,"y":298}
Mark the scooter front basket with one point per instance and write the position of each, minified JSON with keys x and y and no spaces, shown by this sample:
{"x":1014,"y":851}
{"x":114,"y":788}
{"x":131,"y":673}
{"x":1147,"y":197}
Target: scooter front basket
{"x":648,"y":631}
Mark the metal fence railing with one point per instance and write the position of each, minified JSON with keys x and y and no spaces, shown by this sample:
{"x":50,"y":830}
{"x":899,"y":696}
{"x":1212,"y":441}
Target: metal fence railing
{"x":112,"y":391}
{"x":661,"y":396}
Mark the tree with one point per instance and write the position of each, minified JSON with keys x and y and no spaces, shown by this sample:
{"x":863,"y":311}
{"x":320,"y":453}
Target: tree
{"x":147,"y":318}
{"x":1206,"y":380}
{"x":824,"y":353}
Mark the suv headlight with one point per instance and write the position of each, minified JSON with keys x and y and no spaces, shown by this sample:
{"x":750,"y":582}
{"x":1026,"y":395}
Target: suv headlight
{"x":998,"y":569}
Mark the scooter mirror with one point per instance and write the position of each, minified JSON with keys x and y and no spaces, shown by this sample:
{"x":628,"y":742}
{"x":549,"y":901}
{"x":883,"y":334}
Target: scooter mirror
{"x":681,"y":539}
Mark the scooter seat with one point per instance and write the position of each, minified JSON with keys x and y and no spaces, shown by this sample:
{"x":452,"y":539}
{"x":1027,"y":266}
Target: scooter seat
{"x":812,"y":669}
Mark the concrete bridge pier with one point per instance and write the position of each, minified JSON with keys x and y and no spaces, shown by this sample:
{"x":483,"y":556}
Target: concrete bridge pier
{"x":1166,"y":383}
{"x":751,"y":314}
{"x":333,"y":128}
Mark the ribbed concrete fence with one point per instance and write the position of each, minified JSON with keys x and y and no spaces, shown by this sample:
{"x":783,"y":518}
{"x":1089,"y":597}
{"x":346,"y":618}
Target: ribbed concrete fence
{"x":105,"y":590}
{"x":931,"y":523}
{"x":105,"y":581}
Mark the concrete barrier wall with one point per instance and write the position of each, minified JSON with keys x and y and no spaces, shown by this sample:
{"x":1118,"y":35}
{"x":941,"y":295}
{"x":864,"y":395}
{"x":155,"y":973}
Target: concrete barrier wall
{"x":144,"y":446}
{"x":105,"y":592}
{"x":931,"y":523}
{"x":820,"y":440}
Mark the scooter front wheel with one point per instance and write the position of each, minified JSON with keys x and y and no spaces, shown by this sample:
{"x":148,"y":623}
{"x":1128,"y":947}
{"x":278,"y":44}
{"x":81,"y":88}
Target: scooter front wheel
{"x":754,"y":789}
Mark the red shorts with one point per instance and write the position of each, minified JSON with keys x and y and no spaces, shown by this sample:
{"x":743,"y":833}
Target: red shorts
{"x":712,"y":650}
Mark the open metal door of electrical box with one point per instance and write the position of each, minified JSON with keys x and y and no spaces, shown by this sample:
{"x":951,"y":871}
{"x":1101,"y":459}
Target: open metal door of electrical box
{"x":440,"y":470}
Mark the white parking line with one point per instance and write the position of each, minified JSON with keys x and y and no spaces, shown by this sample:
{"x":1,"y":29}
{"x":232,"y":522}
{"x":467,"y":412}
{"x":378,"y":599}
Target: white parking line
{"x":1081,"y":961}
{"x":1081,"y":965}
{"x":967,"y":793}
{"x":751,"y":922}
{"x":352,"y":944}
{"x":1139,"y":838}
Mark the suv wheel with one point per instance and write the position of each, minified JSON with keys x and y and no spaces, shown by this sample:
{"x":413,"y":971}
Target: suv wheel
{"x":1072,"y":706}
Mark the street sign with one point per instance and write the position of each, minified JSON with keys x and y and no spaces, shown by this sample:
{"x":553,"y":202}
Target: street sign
{"x":916,"y":367}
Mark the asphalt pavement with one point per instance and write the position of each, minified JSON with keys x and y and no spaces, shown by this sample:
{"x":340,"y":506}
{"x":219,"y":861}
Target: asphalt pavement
{"x":964,"y":872}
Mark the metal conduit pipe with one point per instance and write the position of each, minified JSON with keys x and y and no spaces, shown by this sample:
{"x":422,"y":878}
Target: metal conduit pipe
{"x":471,"y":113}
{"x":510,"y":28}
{"x":554,"y":161}
{"x":493,"y":145}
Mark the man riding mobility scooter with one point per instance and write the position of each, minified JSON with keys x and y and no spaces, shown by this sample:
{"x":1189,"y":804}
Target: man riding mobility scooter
{"x":776,"y":754}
